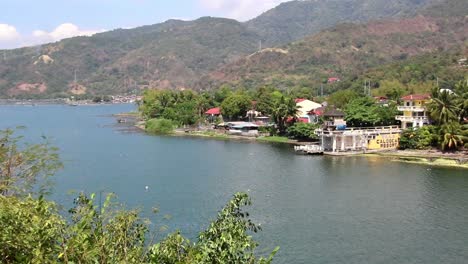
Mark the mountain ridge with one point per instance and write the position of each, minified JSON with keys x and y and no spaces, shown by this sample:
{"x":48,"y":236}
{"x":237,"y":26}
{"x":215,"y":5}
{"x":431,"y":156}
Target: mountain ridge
{"x":180,"y":54}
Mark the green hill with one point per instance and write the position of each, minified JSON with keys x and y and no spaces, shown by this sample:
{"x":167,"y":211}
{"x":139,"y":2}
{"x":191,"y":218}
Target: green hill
{"x":294,"y":20}
{"x":168,"y":55}
{"x":345,"y":51}
{"x":210,"y":51}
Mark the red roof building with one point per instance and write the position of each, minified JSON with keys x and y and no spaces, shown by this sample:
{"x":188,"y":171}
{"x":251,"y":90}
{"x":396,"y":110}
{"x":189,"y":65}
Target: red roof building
{"x":214,"y":111}
{"x":418,"y":97}
{"x":333,"y":79}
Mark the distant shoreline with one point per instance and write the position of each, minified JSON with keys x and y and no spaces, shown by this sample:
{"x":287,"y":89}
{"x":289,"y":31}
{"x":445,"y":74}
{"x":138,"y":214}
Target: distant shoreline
{"x":10,"y":102}
{"x":424,"y":157}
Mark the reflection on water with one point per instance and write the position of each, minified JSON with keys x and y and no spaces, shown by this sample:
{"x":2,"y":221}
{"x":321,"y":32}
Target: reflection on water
{"x":318,"y":209}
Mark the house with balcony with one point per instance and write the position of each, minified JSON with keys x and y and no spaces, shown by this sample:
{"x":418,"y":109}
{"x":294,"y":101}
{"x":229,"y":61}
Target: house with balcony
{"x":414,"y":111}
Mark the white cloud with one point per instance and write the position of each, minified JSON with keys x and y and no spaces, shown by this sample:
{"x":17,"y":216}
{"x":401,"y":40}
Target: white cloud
{"x":240,"y":9}
{"x":66,"y":30}
{"x":10,"y":38}
{"x":8,"y":33}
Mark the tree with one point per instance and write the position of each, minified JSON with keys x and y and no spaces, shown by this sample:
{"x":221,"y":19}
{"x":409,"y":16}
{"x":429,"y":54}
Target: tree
{"x":22,"y":166}
{"x":442,"y":107}
{"x":283,"y":109}
{"x":236,"y":106}
{"x":302,"y":131}
{"x":452,"y":137}
{"x":461,"y":100}
{"x":33,"y":231}
{"x":341,"y":98}
{"x":361,"y":112}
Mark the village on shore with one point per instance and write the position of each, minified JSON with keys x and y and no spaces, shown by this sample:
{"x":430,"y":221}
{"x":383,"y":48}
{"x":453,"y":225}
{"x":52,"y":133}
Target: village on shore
{"x":430,"y":125}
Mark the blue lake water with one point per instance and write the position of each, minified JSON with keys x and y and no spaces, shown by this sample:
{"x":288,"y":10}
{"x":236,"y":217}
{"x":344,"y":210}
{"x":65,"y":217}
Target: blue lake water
{"x":317,"y":209}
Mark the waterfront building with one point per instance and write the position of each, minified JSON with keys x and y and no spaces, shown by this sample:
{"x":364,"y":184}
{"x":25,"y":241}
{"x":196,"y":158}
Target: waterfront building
{"x":212,"y":114}
{"x":332,"y":117}
{"x":414,"y":111}
{"x":304,"y":107}
{"x":350,"y":140}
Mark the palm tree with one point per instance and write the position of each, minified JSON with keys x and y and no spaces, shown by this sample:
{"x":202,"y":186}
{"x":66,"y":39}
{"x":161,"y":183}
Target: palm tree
{"x":461,"y":91}
{"x":452,"y":137}
{"x":443,"y":108}
{"x":282,"y":110}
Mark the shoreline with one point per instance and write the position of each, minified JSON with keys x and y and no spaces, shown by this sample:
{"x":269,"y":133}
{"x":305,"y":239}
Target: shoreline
{"x":425,"y":157}
{"x":422,"y":157}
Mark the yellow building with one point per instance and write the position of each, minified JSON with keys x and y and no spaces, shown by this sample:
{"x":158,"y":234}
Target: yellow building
{"x":359,"y":139}
{"x":414,"y":111}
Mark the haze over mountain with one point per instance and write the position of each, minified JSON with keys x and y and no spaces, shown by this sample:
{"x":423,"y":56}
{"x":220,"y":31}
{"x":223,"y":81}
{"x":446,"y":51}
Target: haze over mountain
{"x":177,"y":54}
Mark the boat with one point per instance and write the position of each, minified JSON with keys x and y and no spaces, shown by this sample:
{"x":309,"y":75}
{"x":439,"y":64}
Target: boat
{"x":309,"y":149}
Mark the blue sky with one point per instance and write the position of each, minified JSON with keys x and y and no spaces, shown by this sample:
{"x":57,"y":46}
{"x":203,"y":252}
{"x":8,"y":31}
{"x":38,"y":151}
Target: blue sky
{"x":31,"y":22}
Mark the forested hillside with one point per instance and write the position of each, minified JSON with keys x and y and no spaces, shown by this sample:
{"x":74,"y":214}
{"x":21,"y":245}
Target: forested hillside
{"x":207,"y":52}
{"x":168,"y":55}
{"x":294,"y":20}
{"x":345,"y":52}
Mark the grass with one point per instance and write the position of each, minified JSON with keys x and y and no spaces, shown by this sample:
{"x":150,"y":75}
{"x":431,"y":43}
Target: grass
{"x":274,"y":139}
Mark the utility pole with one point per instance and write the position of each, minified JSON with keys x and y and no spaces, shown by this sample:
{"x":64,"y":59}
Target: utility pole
{"x":260,"y":45}
{"x":75,"y":77}
{"x":321,"y":89}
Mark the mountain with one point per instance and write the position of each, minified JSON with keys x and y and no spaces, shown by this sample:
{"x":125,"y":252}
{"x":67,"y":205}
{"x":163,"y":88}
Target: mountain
{"x":344,"y":51}
{"x":209,"y":51}
{"x":294,"y":20}
{"x":168,"y":55}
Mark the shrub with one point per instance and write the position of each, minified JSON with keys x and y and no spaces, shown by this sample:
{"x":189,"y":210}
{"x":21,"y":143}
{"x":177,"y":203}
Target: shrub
{"x":419,"y":138}
{"x":303,"y":131}
{"x":159,"y":126}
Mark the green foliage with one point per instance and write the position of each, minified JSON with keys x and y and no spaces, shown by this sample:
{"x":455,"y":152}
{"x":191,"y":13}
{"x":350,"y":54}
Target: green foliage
{"x":443,"y":108}
{"x":361,"y":112}
{"x":106,"y":235}
{"x":341,"y":98}
{"x":173,"y":249}
{"x":159,"y":126}
{"x":24,"y":166}
{"x":29,"y":230}
{"x":420,"y":138}
{"x":283,"y":108}
{"x":452,"y":136}
{"x":302,"y":131}
{"x":34,"y":232}
{"x":236,"y":106}
{"x":181,"y":107}
{"x":461,"y":99}
{"x":364,"y":112}
{"x":226,"y":240}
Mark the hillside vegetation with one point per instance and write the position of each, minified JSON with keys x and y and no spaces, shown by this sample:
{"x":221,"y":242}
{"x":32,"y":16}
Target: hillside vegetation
{"x":345,"y":51}
{"x":294,"y":20}
{"x":208,"y":52}
{"x":168,"y":55}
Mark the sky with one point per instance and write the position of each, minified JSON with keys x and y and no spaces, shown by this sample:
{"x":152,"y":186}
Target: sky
{"x":33,"y":22}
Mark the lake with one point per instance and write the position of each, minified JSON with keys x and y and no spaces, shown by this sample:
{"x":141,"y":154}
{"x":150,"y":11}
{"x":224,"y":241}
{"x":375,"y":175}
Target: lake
{"x":317,"y":209}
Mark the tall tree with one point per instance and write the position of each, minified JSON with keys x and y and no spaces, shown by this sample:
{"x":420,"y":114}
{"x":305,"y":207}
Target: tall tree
{"x":443,"y":108}
{"x":236,"y":106}
{"x":362,"y":112}
{"x":282,"y":110}
{"x":461,"y":100}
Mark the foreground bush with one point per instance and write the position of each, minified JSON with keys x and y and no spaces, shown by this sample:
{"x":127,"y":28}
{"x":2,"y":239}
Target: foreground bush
{"x":159,"y":126}
{"x":32,"y":231}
